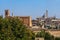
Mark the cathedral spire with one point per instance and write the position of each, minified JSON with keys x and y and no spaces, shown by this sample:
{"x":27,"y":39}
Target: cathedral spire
{"x":46,"y":14}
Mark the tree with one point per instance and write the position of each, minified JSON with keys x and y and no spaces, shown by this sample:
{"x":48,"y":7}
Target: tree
{"x":57,"y":38}
{"x":13,"y":29}
{"x":41,"y":34}
{"x":45,"y":35}
{"x":48,"y":36}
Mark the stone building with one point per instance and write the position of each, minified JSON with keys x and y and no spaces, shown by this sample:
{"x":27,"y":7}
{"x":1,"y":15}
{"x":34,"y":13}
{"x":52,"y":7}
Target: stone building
{"x":25,"y":19}
{"x":7,"y":13}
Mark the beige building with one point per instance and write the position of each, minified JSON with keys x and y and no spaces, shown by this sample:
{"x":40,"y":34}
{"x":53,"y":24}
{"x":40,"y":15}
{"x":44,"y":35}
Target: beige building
{"x":39,"y":38}
{"x":25,"y":19}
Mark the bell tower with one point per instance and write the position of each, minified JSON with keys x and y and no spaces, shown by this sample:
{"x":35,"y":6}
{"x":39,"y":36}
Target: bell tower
{"x":7,"y":13}
{"x":46,"y":14}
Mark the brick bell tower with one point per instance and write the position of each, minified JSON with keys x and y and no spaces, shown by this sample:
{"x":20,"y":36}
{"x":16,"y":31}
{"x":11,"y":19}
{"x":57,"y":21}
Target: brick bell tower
{"x":7,"y":13}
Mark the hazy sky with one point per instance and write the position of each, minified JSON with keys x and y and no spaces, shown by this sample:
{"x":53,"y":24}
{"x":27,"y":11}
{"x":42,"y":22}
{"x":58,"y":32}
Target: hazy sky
{"x":33,"y":8}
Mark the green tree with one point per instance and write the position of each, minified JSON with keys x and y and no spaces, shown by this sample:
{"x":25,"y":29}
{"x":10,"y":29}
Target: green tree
{"x":13,"y":29}
{"x":41,"y":34}
{"x":45,"y":35}
{"x":48,"y":36}
{"x":57,"y":38}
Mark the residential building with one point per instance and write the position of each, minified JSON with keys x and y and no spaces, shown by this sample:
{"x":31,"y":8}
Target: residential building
{"x":47,"y":22}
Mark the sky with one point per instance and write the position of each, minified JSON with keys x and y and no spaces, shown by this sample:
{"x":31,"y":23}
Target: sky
{"x":33,"y":8}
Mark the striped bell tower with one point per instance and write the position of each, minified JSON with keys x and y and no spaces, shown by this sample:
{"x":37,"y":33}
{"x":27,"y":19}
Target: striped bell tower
{"x":46,"y":14}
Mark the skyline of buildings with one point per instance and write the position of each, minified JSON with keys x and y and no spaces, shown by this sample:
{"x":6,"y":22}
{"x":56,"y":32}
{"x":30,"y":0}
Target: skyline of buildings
{"x":46,"y":13}
{"x":43,"y":22}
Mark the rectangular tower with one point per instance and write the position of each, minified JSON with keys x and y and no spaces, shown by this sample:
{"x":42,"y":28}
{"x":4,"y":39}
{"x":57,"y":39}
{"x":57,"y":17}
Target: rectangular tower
{"x":7,"y":13}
